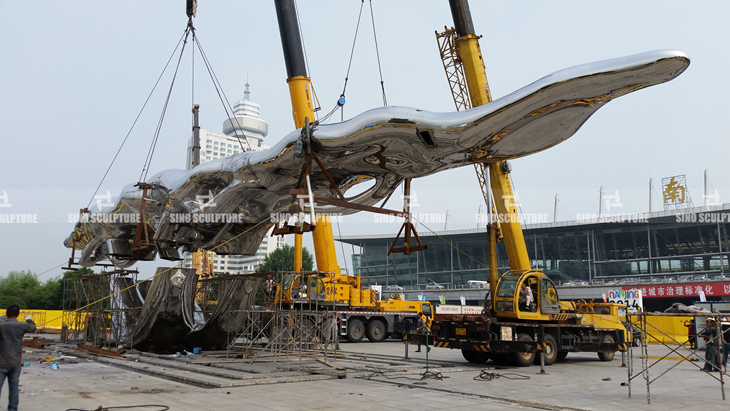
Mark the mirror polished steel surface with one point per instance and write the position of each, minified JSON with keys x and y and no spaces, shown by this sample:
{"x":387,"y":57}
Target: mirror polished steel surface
{"x":210,"y":205}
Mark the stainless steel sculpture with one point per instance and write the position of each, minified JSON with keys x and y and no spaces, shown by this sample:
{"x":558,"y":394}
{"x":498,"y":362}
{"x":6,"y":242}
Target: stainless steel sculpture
{"x":167,"y":318}
{"x":209,"y":206}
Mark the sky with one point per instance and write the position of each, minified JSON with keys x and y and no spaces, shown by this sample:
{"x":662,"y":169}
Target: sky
{"x":74,"y":76}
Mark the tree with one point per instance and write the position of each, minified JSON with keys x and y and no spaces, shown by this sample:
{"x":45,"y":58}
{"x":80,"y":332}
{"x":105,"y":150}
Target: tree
{"x":282,"y":259}
{"x":7,"y":300}
{"x":23,"y":285}
{"x":24,"y":289}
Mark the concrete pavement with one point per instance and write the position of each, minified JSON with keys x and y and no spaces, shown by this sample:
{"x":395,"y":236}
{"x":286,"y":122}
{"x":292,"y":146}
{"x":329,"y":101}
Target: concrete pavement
{"x":363,"y":376}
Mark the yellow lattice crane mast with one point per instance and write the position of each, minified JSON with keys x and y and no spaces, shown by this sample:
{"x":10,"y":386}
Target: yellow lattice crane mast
{"x":465,"y":71}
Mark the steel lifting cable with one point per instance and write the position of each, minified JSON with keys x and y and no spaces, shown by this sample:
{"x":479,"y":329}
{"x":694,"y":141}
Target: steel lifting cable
{"x":377,"y":53}
{"x":517,"y":203}
{"x":341,"y":101}
{"x":153,"y":145}
{"x":221,"y":94}
{"x":489,"y":376}
{"x":136,"y":119}
{"x":342,"y":245}
{"x":352,"y":52}
{"x":192,"y":74}
{"x":51,"y":269}
{"x":449,"y":243}
{"x":426,"y":375}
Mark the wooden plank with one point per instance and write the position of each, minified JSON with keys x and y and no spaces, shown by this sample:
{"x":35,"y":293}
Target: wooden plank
{"x":101,"y":351}
{"x":36,"y":343}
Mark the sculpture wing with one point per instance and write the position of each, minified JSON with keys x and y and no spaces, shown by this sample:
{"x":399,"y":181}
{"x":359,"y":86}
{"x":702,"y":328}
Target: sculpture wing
{"x":380,"y":147}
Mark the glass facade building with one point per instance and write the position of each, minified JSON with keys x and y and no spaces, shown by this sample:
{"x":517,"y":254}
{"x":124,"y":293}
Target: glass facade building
{"x":676,"y":245}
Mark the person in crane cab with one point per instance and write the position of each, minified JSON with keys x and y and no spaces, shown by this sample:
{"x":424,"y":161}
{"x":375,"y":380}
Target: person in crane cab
{"x":526,"y":298}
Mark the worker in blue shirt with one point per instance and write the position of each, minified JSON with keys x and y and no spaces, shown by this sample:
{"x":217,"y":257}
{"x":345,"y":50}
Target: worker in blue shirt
{"x":11,"y":350}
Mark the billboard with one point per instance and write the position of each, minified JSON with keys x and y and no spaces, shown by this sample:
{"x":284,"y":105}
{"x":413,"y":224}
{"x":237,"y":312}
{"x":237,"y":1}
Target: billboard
{"x":631,"y":297}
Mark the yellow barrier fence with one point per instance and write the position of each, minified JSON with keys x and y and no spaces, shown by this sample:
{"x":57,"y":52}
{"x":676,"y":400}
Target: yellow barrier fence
{"x":672,"y":326}
{"x":52,"y":320}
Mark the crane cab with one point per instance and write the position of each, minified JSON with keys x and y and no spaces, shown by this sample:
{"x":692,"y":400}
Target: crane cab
{"x":509,"y":304}
{"x":300,"y":288}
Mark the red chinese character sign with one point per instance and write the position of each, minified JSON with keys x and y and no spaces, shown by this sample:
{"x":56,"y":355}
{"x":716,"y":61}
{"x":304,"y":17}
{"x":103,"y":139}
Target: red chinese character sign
{"x":682,"y":290}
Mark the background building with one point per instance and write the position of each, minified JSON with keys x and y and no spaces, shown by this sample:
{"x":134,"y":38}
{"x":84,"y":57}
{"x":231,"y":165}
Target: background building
{"x":245,"y":131}
{"x":671,"y":255}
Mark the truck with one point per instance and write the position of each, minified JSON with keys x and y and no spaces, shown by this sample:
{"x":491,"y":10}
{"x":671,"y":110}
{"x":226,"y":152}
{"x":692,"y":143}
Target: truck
{"x":509,"y":330}
{"x":510,"y":326}
{"x":355,"y":304}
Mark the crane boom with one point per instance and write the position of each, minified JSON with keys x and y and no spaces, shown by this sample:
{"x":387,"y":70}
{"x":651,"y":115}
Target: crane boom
{"x":465,"y":70}
{"x":302,"y":99}
{"x":515,"y":324}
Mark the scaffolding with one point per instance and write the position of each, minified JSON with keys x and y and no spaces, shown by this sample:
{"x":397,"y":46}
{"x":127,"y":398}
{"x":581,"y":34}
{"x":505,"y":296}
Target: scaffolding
{"x":89,"y":312}
{"x":676,"y":348}
{"x":238,"y":315}
{"x":281,"y":331}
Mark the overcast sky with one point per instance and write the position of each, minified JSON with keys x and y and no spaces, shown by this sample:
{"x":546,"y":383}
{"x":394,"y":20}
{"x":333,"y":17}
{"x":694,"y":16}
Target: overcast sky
{"x":75,"y":74}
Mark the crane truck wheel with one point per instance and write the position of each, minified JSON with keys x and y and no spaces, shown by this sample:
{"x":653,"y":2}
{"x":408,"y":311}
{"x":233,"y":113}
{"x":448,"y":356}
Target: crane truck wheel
{"x":376,"y":331}
{"x":355,"y":330}
{"x":523,"y":359}
{"x":607,"y":356}
{"x":551,"y":351}
{"x":475,"y":357}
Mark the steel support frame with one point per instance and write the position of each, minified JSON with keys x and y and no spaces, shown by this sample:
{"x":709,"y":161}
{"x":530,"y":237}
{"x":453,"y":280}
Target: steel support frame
{"x":649,"y":330}
{"x":87,"y":311}
{"x":302,"y":194}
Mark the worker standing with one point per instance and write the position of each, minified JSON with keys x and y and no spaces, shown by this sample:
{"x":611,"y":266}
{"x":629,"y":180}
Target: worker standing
{"x":725,"y":329}
{"x":712,"y":359}
{"x":424,"y":329}
{"x":11,"y":351}
{"x":269,"y":288}
{"x":691,"y":337}
{"x":334,"y":329}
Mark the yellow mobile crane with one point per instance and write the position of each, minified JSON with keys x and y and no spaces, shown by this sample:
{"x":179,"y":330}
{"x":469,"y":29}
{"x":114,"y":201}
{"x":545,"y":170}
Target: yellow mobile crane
{"x":357,"y":306}
{"x":510,"y":328}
